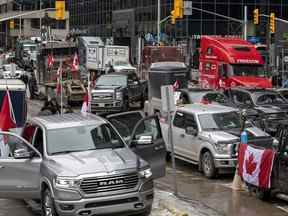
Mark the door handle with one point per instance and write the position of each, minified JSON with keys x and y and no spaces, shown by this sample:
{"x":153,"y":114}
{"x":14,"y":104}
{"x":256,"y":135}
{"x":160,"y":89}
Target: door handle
{"x":182,"y":135}
{"x":2,"y":167}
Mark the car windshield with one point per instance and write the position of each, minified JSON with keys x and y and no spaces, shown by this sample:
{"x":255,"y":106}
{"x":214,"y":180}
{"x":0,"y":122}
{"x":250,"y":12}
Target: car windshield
{"x":211,"y":97}
{"x":112,"y":81}
{"x":82,"y":138}
{"x":246,"y":70}
{"x":268,"y":99}
{"x":220,"y":121}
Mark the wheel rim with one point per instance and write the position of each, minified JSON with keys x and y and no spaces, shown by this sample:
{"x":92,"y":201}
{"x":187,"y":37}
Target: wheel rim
{"x":207,"y":164}
{"x":47,"y":206}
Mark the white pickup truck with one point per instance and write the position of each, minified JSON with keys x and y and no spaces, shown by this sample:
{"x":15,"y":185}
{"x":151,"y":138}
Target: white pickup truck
{"x":208,"y":135}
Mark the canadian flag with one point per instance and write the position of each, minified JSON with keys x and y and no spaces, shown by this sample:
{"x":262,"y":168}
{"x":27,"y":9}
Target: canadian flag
{"x":7,"y":121}
{"x":176,"y":85}
{"x":75,"y":64}
{"x":50,"y":61}
{"x":255,"y":165}
{"x":85,"y":105}
{"x":59,"y":81}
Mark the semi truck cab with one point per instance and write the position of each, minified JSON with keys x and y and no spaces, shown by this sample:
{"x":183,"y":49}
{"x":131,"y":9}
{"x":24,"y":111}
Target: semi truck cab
{"x":230,"y":62}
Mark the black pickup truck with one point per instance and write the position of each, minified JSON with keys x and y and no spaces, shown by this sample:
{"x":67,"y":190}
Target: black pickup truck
{"x":115,"y":92}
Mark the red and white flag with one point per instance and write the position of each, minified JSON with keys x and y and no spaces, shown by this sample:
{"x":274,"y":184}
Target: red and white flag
{"x":176,"y":85}
{"x":59,"y":81}
{"x":255,"y":165}
{"x":7,"y":116}
{"x":85,"y":105}
{"x":7,"y":121}
{"x":75,"y":64}
{"x":50,"y":61}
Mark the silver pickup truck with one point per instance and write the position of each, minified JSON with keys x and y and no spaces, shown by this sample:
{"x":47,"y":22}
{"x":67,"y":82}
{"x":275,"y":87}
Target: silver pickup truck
{"x":79,"y":165}
{"x":208,"y":135}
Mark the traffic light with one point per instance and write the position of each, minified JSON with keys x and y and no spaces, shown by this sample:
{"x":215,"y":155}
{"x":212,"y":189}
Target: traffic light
{"x":256,"y":16}
{"x":272,"y":23}
{"x":178,"y":8}
{"x":60,"y":9}
{"x":12,"y":24}
{"x":173,"y":18}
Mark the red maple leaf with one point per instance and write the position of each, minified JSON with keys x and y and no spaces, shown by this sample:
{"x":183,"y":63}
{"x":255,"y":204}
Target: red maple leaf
{"x":250,"y":164}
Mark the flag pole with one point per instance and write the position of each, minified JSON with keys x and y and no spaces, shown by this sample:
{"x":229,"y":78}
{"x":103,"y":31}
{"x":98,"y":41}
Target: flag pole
{"x":61,"y":87}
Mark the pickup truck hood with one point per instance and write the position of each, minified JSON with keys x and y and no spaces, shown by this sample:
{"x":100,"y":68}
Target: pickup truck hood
{"x":219,"y":136}
{"x":251,"y":81}
{"x":93,"y":162}
{"x":105,"y":89}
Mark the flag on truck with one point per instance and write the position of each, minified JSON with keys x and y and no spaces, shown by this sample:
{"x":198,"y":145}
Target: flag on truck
{"x":7,"y":121}
{"x":255,"y":165}
{"x":176,"y":85}
{"x":85,"y":105}
{"x":59,"y":81}
{"x":75,"y":64}
{"x":50,"y":61}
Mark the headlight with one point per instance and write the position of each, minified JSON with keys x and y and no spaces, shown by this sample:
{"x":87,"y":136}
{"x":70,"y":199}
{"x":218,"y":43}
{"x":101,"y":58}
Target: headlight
{"x":119,"y":95}
{"x":147,"y":173}
{"x":223,"y":148}
{"x":66,"y":183}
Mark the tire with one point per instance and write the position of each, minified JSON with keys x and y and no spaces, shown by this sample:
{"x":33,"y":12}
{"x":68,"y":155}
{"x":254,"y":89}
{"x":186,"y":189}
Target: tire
{"x":47,"y":204}
{"x":208,"y":166}
{"x":263,"y":195}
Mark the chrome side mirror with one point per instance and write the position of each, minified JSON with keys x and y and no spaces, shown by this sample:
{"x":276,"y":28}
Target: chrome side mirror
{"x":22,"y":154}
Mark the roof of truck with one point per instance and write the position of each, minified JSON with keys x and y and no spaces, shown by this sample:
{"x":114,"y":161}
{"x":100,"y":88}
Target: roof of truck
{"x":200,"y":108}
{"x":68,"y":120}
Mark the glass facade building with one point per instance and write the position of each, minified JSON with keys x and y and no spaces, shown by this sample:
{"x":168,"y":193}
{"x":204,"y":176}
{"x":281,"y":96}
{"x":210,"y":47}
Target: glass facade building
{"x":99,"y":17}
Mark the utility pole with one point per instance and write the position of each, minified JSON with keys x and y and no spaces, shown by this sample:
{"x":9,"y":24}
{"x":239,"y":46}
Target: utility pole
{"x":40,"y":20}
{"x":245,"y":23}
{"x":158,"y":22}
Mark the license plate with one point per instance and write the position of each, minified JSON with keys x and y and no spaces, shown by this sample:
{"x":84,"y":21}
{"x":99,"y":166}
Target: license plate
{"x":101,"y":105}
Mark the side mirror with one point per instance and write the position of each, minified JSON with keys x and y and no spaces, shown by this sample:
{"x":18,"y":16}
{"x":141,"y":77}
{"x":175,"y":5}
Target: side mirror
{"x":144,"y":140}
{"x":191,"y":131}
{"x":22,"y":154}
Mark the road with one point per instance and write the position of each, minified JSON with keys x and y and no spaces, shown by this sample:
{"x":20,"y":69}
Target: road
{"x":211,"y":197}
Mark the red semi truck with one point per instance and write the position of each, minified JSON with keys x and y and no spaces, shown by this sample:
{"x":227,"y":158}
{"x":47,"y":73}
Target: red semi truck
{"x":230,"y":62}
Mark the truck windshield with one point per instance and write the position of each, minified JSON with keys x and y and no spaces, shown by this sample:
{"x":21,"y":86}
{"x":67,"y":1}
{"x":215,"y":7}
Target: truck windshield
{"x":82,"y":138}
{"x":247,"y":70}
{"x":220,"y":121}
{"x":113,"y":80}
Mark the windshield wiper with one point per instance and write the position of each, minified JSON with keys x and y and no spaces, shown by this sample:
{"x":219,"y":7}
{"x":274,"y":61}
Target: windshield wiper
{"x":69,"y":151}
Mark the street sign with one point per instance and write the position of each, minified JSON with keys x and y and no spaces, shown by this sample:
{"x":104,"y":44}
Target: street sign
{"x":167,"y":98}
{"x":188,"y":8}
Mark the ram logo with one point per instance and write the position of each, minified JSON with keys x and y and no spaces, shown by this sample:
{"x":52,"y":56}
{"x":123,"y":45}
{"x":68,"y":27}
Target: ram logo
{"x":111,"y":182}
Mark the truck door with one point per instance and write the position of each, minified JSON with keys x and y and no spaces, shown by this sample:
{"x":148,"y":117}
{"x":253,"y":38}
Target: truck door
{"x":145,"y":139}
{"x":19,"y":168}
{"x":134,"y":87}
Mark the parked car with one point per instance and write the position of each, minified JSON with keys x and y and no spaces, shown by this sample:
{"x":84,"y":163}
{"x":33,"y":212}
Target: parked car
{"x":208,"y":136}
{"x":115,"y":92}
{"x":198,"y":95}
{"x":267,"y":104}
{"x":79,"y":165}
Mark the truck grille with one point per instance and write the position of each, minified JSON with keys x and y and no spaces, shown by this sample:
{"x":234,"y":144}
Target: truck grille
{"x":104,"y":96}
{"x":109,"y":183}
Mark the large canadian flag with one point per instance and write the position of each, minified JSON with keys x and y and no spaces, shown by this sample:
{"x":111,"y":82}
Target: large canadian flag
{"x":255,"y":165}
{"x":7,"y":121}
